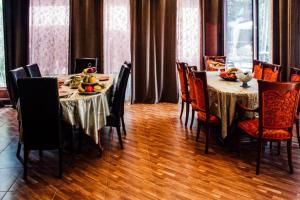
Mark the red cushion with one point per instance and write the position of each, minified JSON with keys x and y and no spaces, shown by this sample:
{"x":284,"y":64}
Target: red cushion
{"x":194,"y":105}
{"x":251,"y":127}
{"x":270,"y":75}
{"x":295,"y":77}
{"x":257,"y":72}
{"x":212,"y":119}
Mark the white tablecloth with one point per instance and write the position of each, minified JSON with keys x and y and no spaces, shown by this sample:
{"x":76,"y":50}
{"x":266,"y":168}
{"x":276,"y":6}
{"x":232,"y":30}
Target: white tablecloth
{"x":223,"y":96}
{"x":88,"y":112}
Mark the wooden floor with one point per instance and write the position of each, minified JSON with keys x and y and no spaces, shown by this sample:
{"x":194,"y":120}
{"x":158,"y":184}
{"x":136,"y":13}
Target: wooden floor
{"x":160,"y":160}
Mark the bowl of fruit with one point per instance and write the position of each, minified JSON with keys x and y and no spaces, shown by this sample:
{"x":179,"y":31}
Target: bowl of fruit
{"x":229,"y":75}
{"x":90,"y":89}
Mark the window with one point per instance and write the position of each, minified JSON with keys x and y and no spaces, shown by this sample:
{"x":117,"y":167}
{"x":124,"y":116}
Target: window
{"x":264,"y":30}
{"x":240,"y":46}
{"x":116,"y":34}
{"x":188,"y":31}
{"x":49,"y":35}
{"x":239,"y":33}
{"x":2,"y":58}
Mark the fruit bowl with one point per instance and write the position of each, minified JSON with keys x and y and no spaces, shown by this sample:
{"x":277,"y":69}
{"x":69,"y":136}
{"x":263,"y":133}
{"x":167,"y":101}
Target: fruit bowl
{"x":90,"y":88}
{"x":229,"y":75}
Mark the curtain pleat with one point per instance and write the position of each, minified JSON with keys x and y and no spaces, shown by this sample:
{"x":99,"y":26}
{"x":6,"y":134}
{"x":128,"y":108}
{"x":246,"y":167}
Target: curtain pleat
{"x":86,"y":31}
{"x":154,"y":51}
{"x":213,"y":27}
{"x":16,"y":34}
{"x":285,"y":32}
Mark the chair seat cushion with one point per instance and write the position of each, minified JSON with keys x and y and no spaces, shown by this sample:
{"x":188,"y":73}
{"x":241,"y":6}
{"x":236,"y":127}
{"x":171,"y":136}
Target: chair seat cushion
{"x":202,"y":117}
{"x":251,"y":128}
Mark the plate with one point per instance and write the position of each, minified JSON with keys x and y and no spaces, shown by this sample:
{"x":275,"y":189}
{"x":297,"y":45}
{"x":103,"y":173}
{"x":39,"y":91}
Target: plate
{"x":63,"y":93}
{"x":88,"y":93}
{"x":229,"y":78}
{"x":103,"y":78}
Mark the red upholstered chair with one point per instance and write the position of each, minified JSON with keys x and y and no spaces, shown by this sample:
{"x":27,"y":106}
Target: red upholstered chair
{"x":277,"y":107}
{"x":295,"y":77}
{"x":190,"y":70}
{"x":203,"y":116}
{"x":184,"y":88}
{"x":271,"y":72}
{"x":295,"y":74}
{"x":208,"y":59}
{"x":257,"y":69}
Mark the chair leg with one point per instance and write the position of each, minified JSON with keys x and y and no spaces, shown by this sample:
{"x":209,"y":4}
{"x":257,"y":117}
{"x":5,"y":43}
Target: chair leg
{"x":26,"y":154}
{"x":119,"y":136}
{"x":207,"y":138}
{"x":278,"y":148}
{"x":123,"y":124}
{"x":187,"y":113}
{"x":182,"y":107}
{"x":192,"y":120}
{"x":198,"y":131}
{"x":60,"y":164}
{"x":80,"y":137}
{"x":271,"y":145}
{"x":289,"y":151}
{"x":19,"y":150}
{"x":259,"y":150}
{"x":297,"y":130}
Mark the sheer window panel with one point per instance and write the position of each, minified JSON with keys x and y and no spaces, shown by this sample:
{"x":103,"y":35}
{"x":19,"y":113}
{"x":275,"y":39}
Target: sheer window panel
{"x":239,"y":33}
{"x":49,"y":35}
{"x":117,"y":37}
{"x":264,"y":27}
{"x":188,"y":32}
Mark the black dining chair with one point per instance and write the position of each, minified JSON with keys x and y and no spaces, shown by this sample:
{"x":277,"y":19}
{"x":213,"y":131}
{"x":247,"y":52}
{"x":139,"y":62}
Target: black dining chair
{"x":14,"y":75}
{"x":40,"y":117}
{"x":129,"y":65}
{"x":82,"y":63}
{"x":33,"y":70}
{"x":113,"y":120}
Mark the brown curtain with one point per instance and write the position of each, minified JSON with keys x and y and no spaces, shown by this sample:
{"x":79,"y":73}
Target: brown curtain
{"x":154,"y":51}
{"x":213,"y":27}
{"x":286,"y":31}
{"x":16,"y":34}
{"x":86,"y":31}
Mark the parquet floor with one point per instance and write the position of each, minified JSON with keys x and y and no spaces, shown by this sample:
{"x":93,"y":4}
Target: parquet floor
{"x":161,"y":160}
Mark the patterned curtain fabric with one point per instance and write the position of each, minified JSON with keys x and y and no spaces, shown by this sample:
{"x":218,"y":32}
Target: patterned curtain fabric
{"x":49,"y":35}
{"x":188,"y":41}
{"x":116,"y":34}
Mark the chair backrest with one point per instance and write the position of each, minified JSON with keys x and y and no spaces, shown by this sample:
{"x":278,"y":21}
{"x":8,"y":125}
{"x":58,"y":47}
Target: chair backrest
{"x":183,"y":80}
{"x":208,"y":59}
{"x":200,"y":87}
{"x":129,"y":65}
{"x":14,"y":76}
{"x":295,"y":74}
{"x":257,"y":69}
{"x":190,"y":75}
{"x":82,"y":63}
{"x":119,"y":94}
{"x":33,"y":70}
{"x":40,"y":113}
{"x":271,"y":72}
{"x":278,"y":102}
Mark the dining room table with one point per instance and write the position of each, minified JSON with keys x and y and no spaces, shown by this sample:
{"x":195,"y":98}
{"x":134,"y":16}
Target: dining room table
{"x":87,"y":111}
{"x":224,"y":95}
